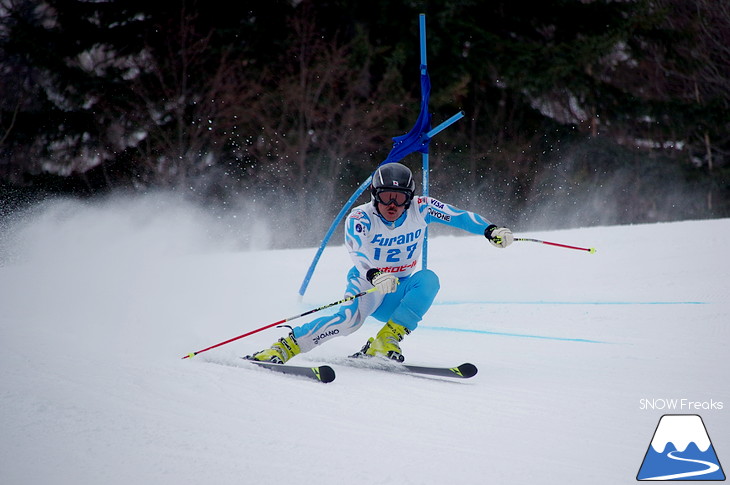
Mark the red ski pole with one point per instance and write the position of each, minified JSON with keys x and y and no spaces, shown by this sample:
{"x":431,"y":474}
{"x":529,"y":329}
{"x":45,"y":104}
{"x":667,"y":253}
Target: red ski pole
{"x":590,"y":250}
{"x":344,"y":300}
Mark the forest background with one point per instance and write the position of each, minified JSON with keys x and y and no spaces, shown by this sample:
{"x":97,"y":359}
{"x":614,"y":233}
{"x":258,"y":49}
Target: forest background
{"x":578,"y":112}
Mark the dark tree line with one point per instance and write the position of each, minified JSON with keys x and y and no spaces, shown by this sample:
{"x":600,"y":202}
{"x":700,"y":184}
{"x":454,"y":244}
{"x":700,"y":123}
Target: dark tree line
{"x":573,"y":106}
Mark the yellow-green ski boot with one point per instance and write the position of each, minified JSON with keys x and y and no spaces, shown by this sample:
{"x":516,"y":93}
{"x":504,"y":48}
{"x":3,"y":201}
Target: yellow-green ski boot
{"x":280,"y":351}
{"x":385,"y":343}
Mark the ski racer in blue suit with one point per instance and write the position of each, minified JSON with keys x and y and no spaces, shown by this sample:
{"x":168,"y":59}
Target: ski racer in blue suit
{"x":385,"y":238}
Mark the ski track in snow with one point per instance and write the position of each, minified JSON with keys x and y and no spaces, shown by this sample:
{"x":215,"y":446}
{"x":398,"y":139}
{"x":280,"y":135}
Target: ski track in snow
{"x":102,"y":303}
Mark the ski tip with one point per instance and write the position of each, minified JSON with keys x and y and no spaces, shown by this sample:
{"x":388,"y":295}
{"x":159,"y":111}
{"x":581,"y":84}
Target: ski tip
{"x":467,"y":370}
{"x":325,"y":373}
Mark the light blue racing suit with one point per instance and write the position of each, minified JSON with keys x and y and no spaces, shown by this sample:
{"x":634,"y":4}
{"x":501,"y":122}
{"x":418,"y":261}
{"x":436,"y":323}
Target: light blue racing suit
{"x":393,"y":247}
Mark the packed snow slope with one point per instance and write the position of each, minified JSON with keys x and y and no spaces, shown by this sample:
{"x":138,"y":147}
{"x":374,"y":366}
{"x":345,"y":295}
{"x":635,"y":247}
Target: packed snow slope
{"x":579,"y":356}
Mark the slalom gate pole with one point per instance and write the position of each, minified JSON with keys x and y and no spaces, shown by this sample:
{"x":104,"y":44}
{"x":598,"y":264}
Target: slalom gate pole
{"x":590,"y":250}
{"x":338,"y":218}
{"x":445,"y":125}
{"x":424,"y":155}
{"x":344,"y":300}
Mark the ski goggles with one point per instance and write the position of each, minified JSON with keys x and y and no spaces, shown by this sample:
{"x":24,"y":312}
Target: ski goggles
{"x":387,"y":197}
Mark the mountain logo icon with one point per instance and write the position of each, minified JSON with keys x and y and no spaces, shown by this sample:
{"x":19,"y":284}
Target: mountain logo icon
{"x":681,"y":450}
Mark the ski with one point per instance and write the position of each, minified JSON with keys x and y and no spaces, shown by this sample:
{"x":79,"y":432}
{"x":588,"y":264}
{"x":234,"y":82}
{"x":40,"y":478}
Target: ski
{"x":463,"y":371}
{"x":325,"y":373}
{"x":322,"y":373}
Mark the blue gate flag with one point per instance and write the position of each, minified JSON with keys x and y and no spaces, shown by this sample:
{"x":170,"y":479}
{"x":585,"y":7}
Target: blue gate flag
{"x":417,"y":139}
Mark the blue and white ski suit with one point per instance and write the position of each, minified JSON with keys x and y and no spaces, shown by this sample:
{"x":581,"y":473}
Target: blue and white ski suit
{"x":394,"y":247}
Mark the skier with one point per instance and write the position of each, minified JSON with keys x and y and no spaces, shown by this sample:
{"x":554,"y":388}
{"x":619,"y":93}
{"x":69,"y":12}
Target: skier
{"x":384,"y":238}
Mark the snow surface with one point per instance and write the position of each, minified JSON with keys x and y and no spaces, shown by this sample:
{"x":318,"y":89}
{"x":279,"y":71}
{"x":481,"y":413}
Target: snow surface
{"x":576,"y":352}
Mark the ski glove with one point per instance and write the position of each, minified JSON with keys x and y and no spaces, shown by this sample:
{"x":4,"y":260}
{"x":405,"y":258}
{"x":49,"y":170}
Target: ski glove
{"x":384,"y":282}
{"x":500,"y":237}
